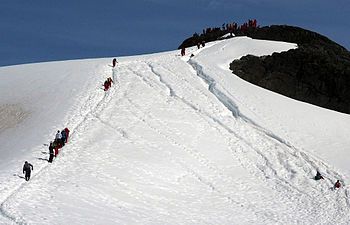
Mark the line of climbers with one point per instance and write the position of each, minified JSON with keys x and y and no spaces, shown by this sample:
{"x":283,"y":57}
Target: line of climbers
{"x":60,"y":140}
{"x":61,"y":137}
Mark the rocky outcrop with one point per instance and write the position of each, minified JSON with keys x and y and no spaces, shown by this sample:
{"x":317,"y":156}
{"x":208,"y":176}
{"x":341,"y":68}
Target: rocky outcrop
{"x":317,"y":72}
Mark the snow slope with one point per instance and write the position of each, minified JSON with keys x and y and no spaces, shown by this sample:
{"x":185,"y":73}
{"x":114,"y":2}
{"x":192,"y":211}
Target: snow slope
{"x":177,"y":140}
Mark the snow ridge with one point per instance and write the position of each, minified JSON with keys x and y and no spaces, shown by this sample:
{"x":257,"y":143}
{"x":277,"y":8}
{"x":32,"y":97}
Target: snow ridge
{"x":171,"y":142}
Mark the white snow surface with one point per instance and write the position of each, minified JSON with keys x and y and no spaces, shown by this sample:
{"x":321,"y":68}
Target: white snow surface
{"x":176,"y":140}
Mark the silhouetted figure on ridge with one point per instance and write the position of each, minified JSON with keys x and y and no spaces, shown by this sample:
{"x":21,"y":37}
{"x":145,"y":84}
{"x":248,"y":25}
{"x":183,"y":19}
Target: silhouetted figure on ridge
{"x":27,"y":168}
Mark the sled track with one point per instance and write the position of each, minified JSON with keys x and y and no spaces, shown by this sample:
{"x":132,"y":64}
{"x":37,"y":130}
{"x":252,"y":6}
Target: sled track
{"x":92,"y":109}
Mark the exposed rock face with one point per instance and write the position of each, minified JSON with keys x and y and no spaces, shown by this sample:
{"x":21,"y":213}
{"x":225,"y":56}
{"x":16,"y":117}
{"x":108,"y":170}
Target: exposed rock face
{"x":317,"y":72}
{"x":11,"y":115}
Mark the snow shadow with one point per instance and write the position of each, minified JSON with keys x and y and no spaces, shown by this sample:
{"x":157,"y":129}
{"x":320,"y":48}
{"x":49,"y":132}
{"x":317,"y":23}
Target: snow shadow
{"x":20,"y":176}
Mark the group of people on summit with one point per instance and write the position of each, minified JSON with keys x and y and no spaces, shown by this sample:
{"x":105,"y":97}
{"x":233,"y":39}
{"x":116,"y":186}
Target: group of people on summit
{"x":227,"y":28}
{"x":232,"y":27}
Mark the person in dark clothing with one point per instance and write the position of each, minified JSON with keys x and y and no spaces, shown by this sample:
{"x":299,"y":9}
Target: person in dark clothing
{"x":110,"y":81}
{"x":106,"y":85}
{"x":114,"y":62}
{"x":55,"y":146}
{"x":51,"y":152}
{"x":64,"y":137}
{"x":183,"y":51}
{"x":58,"y":139}
{"x":67,"y":133}
{"x":318,"y":176}
{"x":337,"y":184}
{"x":27,"y":168}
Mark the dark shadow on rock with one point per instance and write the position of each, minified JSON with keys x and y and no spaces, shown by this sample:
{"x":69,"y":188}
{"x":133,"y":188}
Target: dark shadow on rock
{"x":317,"y":72}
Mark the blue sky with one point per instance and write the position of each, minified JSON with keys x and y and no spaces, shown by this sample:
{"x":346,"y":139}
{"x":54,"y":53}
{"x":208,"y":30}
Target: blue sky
{"x":46,"y":30}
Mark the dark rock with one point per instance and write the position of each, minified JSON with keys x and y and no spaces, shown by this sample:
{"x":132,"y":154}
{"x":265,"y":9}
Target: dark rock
{"x":317,"y":72}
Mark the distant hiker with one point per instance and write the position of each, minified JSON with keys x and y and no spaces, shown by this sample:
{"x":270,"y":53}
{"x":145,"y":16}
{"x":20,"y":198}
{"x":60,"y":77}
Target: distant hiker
{"x":318,"y":176}
{"x":58,"y":139}
{"x":51,"y":148}
{"x":55,"y":146}
{"x":109,"y":79}
{"x":337,"y":184}
{"x":183,"y":51}
{"x":58,"y":136}
{"x":27,"y":168}
{"x":114,"y":62}
{"x":198,"y":45}
{"x":67,"y":133}
{"x":106,"y":85}
{"x":203,"y":43}
{"x":64,"y":137}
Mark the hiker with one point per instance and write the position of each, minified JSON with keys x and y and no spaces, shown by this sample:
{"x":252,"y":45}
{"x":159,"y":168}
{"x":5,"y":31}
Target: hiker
{"x":55,"y":146}
{"x":27,"y":168}
{"x":183,"y":50}
{"x":106,"y":85}
{"x":51,"y":152}
{"x":114,"y":62}
{"x":58,"y":139}
{"x":318,"y":176}
{"x":67,"y":133}
{"x":109,"y":79}
{"x":109,"y":82}
{"x":58,"y":136}
{"x":337,"y":184}
{"x":64,"y":137}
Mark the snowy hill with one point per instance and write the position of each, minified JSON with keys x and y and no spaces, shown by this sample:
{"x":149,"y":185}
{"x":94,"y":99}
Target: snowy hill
{"x":176,"y":140}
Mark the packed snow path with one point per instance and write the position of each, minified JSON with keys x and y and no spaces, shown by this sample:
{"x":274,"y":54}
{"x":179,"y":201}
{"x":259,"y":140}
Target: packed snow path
{"x":167,"y":144}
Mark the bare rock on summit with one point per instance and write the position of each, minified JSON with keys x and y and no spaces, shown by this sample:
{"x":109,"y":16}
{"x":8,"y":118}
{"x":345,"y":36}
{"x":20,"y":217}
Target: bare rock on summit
{"x":317,"y":72}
